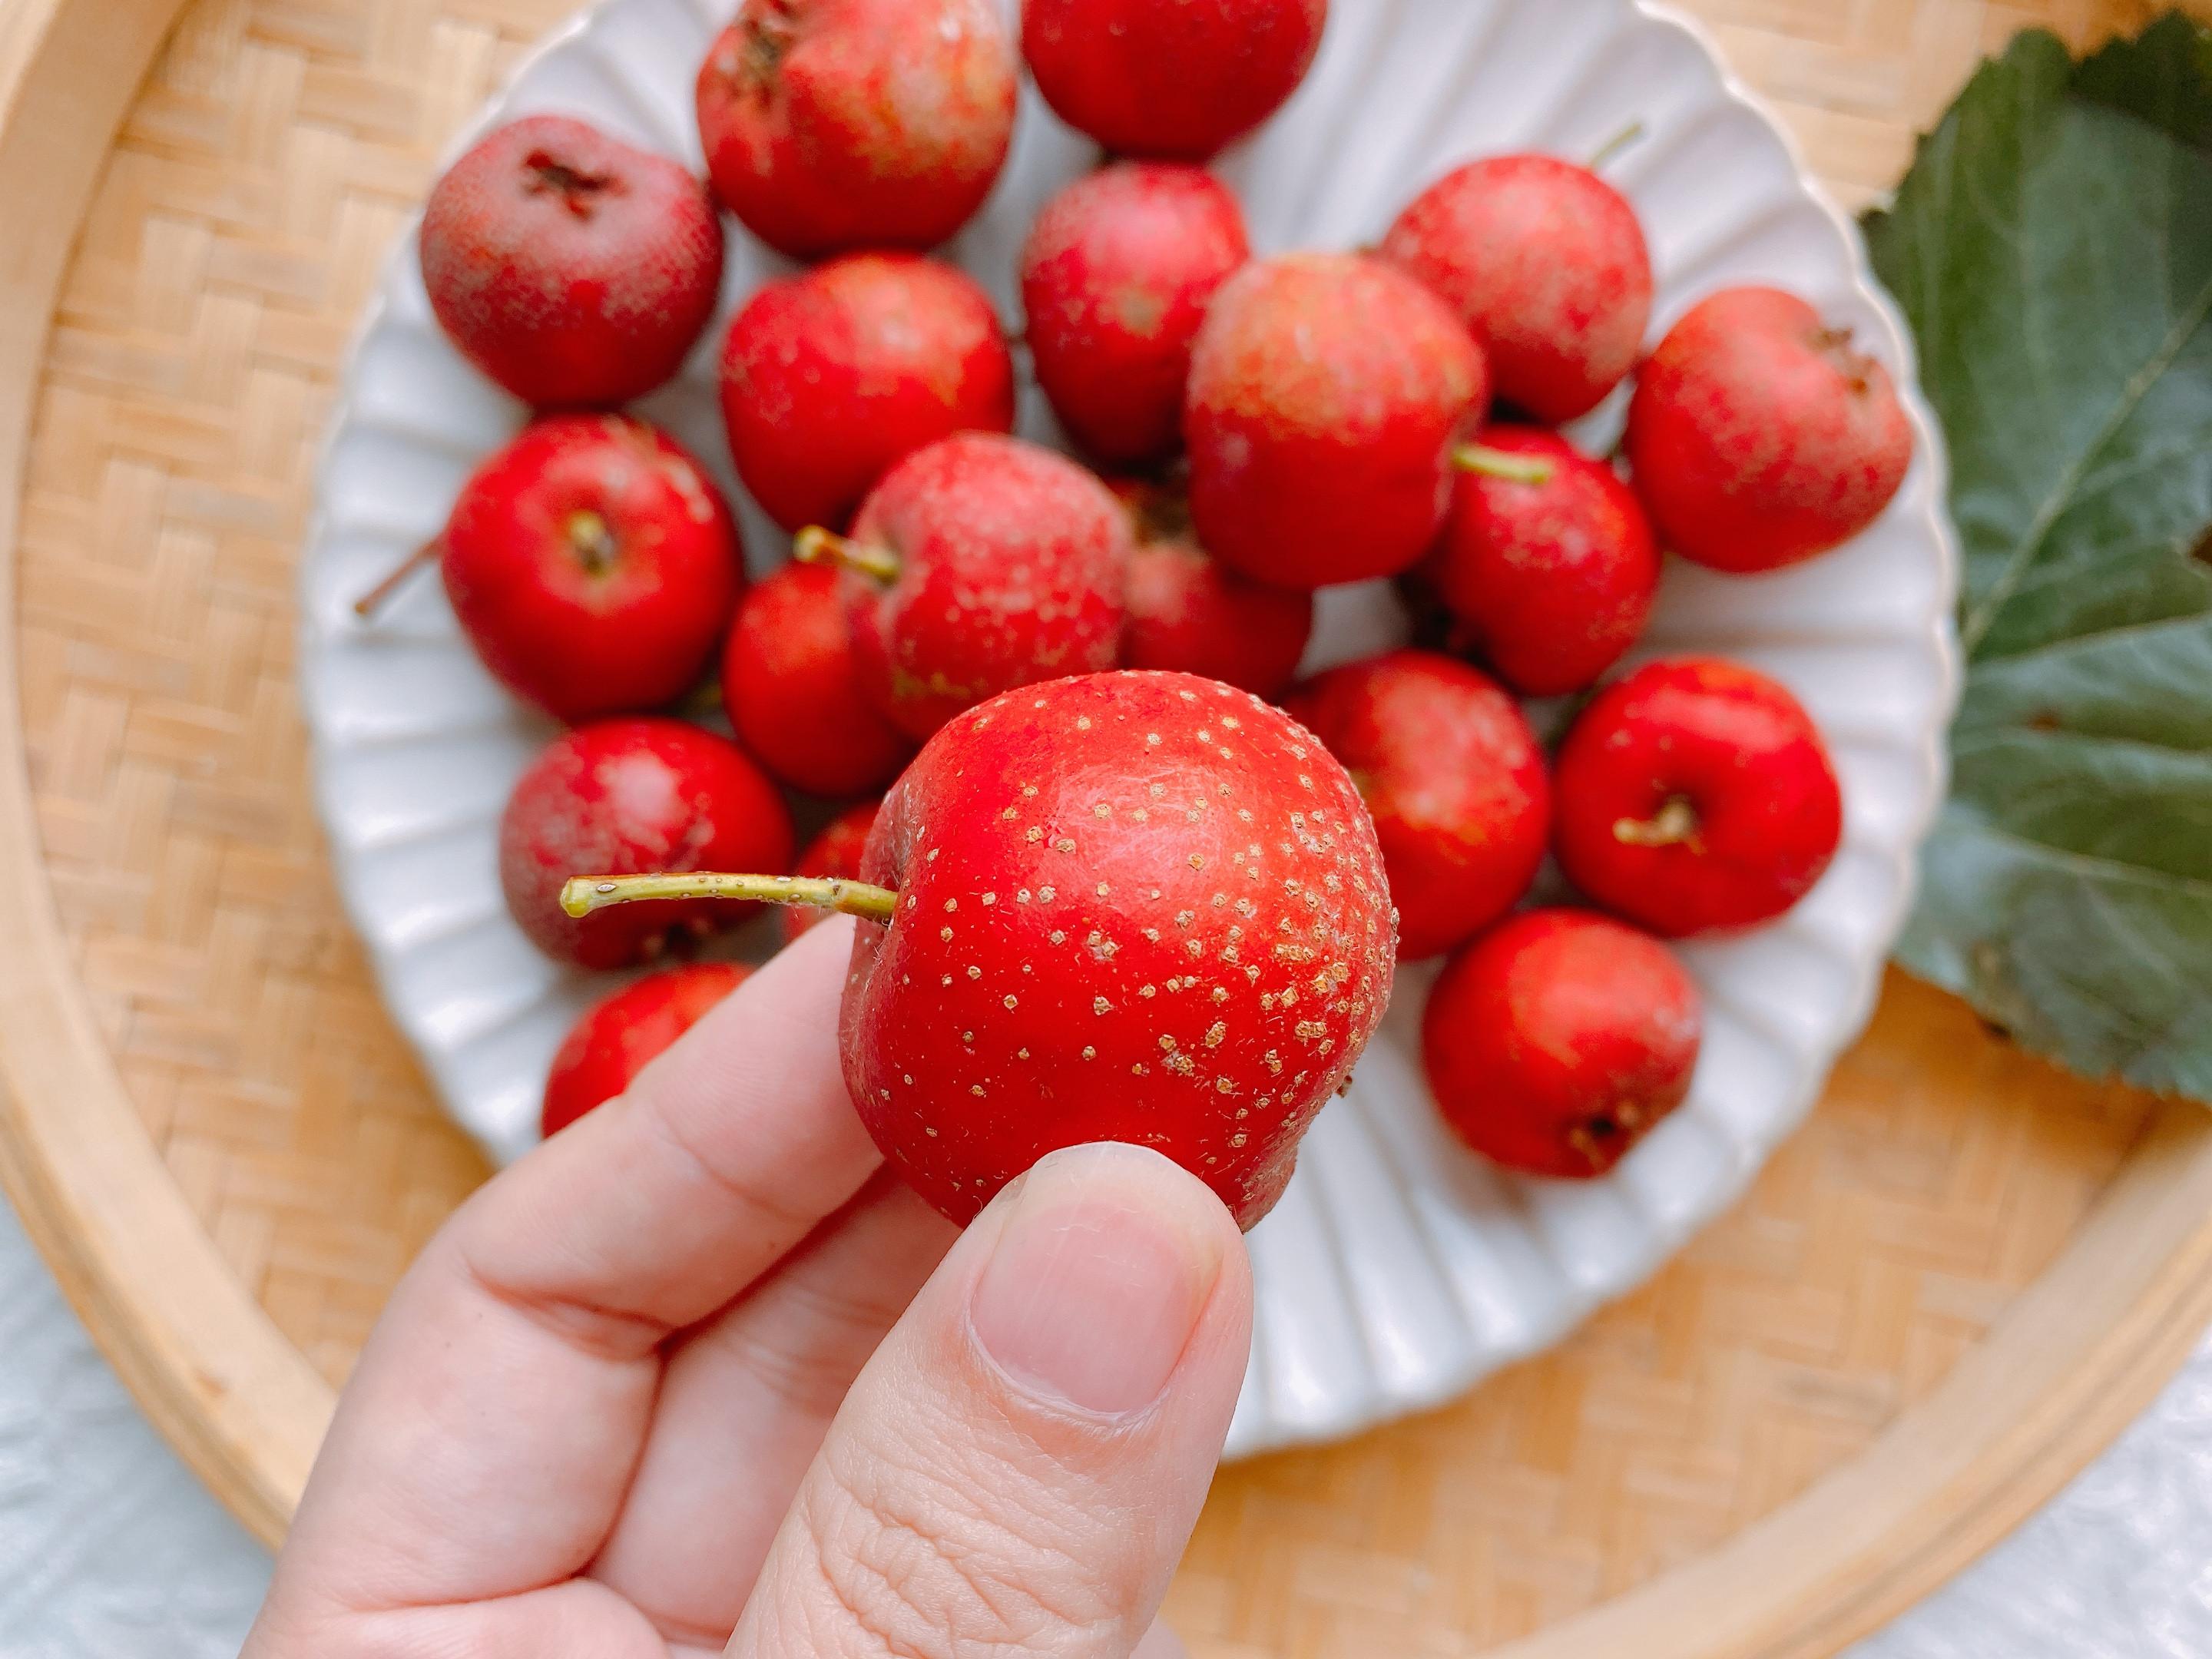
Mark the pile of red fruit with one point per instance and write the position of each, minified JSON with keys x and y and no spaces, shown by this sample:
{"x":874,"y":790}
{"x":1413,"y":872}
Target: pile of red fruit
{"x":1104,"y":904}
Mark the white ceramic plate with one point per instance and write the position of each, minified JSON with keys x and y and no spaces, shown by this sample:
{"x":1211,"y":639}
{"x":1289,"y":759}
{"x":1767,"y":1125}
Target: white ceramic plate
{"x":1399,"y":1269}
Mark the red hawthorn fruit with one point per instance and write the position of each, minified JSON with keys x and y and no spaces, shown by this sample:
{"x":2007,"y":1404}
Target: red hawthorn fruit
{"x":1547,"y":565}
{"x":832,"y":377}
{"x":575,"y":270}
{"x":833,"y":855}
{"x":626,"y":796}
{"x":1455,"y":779}
{"x":1142,"y":908}
{"x":1557,"y":1040}
{"x":835,"y":124}
{"x":1190,"y":614}
{"x":981,"y":563}
{"x":593,"y":565}
{"x":1695,"y":796}
{"x":619,"y":1036}
{"x":1115,"y":278}
{"x":793,"y":694}
{"x":1546,"y":264}
{"x":1328,"y":394}
{"x":1760,"y":437}
{"x":1177,"y":78}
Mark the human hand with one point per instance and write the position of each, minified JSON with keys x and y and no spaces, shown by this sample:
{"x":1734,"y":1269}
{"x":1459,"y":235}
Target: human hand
{"x":699,"y":1373}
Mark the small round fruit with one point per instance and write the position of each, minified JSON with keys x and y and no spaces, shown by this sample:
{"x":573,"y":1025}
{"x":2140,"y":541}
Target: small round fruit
{"x":981,"y":563}
{"x":1177,"y":78}
{"x":1547,"y":565}
{"x":1760,"y":437}
{"x":619,"y":1036}
{"x":1190,"y":614}
{"x":1546,"y":264}
{"x":593,"y":565}
{"x":1454,"y":778}
{"x":793,"y":690}
{"x":833,"y":125}
{"x":833,"y":855}
{"x":1558,"y":1040}
{"x":833,"y":377}
{"x":1117,"y":277}
{"x":623,"y":798}
{"x":575,"y":270}
{"x":1328,"y":393}
{"x":1696,"y":796}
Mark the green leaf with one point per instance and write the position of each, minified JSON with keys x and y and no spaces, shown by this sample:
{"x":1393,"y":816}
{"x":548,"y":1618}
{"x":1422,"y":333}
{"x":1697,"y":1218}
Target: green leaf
{"x":2052,"y":249}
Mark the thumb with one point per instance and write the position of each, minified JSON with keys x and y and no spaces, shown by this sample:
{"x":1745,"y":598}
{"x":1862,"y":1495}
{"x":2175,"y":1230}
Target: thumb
{"x":1018,"y":1468}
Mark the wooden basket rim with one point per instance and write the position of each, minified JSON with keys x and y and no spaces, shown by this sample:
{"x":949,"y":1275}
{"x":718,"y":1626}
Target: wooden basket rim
{"x":2016,"y":1418}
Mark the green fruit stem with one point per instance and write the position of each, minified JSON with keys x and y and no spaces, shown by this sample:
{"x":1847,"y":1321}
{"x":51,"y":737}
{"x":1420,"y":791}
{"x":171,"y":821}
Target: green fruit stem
{"x":1612,"y":148}
{"x":1675,"y":825}
{"x":815,"y":545}
{"x":587,"y":894}
{"x":1498,"y":464}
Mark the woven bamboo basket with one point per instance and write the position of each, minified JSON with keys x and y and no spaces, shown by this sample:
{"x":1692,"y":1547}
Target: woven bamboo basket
{"x":1942,"y":1297}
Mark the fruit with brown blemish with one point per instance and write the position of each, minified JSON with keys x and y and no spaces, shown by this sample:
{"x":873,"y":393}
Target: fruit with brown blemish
{"x":1696,"y":796}
{"x":833,"y":125}
{"x":1557,"y":1040}
{"x":626,"y":796}
{"x":1177,"y":78}
{"x":616,"y":1037}
{"x":1454,"y":778}
{"x":575,"y":270}
{"x":1547,"y":567}
{"x":1760,"y":436}
{"x":1546,"y":264}
{"x":836,"y":854}
{"x":1143,"y":908}
{"x":980,"y":564}
{"x":593,"y":565}
{"x":1116,"y":276}
{"x":832,"y":377}
{"x":793,"y":690}
{"x":1191,"y":614}
{"x":1328,"y":393}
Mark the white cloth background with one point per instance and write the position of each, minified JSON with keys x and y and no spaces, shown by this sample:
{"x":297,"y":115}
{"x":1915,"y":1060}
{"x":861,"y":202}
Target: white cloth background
{"x":110,"y":1550}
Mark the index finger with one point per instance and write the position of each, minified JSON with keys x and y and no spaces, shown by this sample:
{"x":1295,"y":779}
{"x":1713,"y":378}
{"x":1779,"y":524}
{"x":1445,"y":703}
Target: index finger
{"x":485,"y":1444}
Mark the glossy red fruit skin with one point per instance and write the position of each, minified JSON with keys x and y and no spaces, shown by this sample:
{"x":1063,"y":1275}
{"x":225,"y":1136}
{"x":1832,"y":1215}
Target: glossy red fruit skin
{"x":1116,"y":276}
{"x":629,"y":797}
{"x":1143,"y":908}
{"x":1549,"y":583}
{"x":836,"y":854}
{"x":619,"y":1036}
{"x":832,"y":377}
{"x":835,"y":125}
{"x":1327,"y":393}
{"x":1740,"y":753}
{"x":1011,"y":564}
{"x":1191,"y":614}
{"x":1557,"y":1040}
{"x":1546,"y":264}
{"x":1454,"y":778}
{"x":792,"y":691}
{"x":593,"y":566}
{"x":1172,"y":78}
{"x":1759,"y":438}
{"x":575,"y":270}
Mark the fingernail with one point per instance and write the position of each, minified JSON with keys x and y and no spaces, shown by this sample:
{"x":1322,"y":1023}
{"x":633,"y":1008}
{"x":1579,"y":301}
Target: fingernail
{"x":1106,"y":1263}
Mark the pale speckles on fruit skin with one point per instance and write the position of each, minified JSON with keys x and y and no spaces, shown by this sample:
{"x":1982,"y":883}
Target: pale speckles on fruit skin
{"x":875,"y":126}
{"x":502,"y":264}
{"x":1083,"y":1012}
{"x":1011,"y":561}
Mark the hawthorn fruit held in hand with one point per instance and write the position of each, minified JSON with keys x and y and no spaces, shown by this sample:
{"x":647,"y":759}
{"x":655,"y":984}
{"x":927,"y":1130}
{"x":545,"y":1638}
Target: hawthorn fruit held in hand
{"x":1144,"y":908}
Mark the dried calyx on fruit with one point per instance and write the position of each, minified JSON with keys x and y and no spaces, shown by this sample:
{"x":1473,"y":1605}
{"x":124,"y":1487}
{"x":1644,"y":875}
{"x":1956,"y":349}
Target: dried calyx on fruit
{"x":1130,"y":907}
